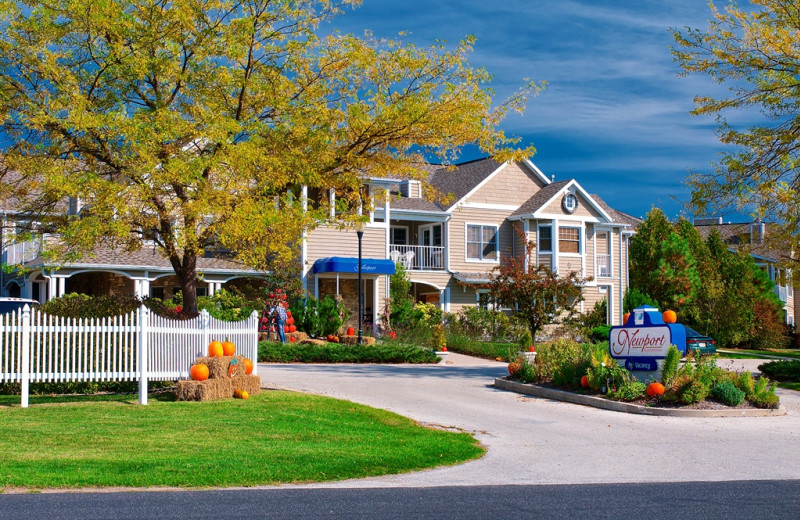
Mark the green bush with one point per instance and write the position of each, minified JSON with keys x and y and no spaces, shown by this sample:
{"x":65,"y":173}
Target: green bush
{"x":75,"y":305}
{"x":389,"y":352}
{"x":82,"y":387}
{"x":482,"y":349}
{"x":693,"y":391}
{"x":562,"y":362}
{"x":629,"y":391}
{"x":670,"y":367}
{"x":488,"y":325}
{"x":763,"y":395}
{"x":228,"y":305}
{"x":726,"y":393}
{"x":606,"y":375}
{"x":600,"y":333}
{"x":782,"y":370}
{"x":319,"y":317}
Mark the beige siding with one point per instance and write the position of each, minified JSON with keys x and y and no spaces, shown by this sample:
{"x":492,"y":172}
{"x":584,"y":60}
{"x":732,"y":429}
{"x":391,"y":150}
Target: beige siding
{"x":568,"y":264}
{"x":514,"y":185}
{"x":458,"y":238}
{"x":326,"y":241}
{"x":589,"y":247}
{"x":583,"y":209}
{"x":460,"y":297}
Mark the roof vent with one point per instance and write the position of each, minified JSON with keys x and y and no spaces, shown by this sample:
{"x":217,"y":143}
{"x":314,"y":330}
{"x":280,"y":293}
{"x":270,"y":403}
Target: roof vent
{"x":552,"y":178}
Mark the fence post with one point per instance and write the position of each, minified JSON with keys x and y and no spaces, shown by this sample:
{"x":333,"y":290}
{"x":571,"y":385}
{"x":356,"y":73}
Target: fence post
{"x":204,"y":324}
{"x":144,"y":325}
{"x":254,"y":344}
{"x":25,"y":345}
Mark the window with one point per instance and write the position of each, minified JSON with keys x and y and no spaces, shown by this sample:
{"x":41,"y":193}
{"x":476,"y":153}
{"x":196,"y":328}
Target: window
{"x":481,"y":242}
{"x":398,"y":236}
{"x":569,"y":240}
{"x":545,"y":239}
{"x":483,"y":300}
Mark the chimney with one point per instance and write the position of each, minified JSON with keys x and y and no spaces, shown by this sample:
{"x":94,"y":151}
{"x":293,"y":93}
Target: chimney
{"x":757,"y":229}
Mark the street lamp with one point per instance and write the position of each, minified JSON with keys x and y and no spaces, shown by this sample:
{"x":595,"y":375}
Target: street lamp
{"x":360,"y":233}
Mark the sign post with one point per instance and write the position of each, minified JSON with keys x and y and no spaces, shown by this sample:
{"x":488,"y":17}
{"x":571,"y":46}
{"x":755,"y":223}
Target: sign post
{"x":642,"y":342}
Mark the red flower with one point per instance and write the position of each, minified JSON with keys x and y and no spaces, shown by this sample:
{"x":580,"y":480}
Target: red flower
{"x":392,"y":334}
{"x":178,"y":309}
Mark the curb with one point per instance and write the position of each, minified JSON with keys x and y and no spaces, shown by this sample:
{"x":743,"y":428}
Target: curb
{"x":616,"y":406}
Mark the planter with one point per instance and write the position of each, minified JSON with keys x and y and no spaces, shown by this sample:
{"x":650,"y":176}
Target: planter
{"x":529,"y":357}
{"x":442,"y":355}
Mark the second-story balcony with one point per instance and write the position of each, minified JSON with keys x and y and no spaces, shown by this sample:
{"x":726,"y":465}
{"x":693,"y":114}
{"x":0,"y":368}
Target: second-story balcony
{"x":603,"y":266}
{"x":782,"y":293}
{"x":418,"y":258}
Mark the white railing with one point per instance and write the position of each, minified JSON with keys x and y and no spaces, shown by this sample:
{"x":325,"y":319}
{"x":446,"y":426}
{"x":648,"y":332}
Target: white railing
{"x":782,"y":293}
{"x":604,"y":265}
{"x":418,"y":258}
{"x":20,"y":252}
{"x":40,"y":348}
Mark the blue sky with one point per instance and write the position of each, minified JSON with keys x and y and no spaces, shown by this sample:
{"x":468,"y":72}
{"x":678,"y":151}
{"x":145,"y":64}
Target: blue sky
{"x":615,"y":114}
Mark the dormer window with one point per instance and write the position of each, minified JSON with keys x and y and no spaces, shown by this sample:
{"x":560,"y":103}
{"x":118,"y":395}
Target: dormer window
{"x":569,"y":203}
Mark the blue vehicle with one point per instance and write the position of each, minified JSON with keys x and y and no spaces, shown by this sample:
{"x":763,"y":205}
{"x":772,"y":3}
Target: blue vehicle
{"x":12,"y":304}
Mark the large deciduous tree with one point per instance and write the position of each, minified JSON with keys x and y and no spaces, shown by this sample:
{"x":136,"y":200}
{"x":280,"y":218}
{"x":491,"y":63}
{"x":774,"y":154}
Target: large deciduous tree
{"x":755,"y":52}
{"x":191,"y":123}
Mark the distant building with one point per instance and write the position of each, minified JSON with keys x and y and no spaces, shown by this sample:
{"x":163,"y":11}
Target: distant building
{"x":753,"y":237}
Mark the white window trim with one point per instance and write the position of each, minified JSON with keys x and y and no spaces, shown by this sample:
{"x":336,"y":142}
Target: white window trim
{"x":581,"y":245}
{"x":539,"y":238}
{"x":601,"y":229}
{"x":408,"y":234}
{"x":496,"y":245}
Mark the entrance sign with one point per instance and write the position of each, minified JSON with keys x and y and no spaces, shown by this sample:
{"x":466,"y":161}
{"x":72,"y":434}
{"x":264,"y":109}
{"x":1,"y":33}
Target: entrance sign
{"x":644,"y":339}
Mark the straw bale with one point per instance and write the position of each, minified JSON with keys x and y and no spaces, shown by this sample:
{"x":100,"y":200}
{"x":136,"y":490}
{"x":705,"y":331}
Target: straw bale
{"x":353,"y":340}
{"x":297,"y":335}
{"x":211,"y":389}
{"x":317,"y":342}
{"x":218,"y":366}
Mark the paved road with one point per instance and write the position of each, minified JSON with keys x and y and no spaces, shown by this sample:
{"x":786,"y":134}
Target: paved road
{"x":729,"y":500}
{"x":536,"y":441}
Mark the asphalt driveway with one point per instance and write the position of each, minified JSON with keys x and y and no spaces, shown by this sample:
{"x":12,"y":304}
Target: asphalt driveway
{"x":538,"y":441}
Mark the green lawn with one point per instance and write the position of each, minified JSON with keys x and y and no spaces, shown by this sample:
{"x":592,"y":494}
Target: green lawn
{"x":272,"y":438}
{"x":759,"y":354}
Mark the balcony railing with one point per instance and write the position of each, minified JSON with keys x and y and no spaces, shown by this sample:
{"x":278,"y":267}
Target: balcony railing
{"x":782,"y":293}
{"x":20,"y":252}
{"x":603,"y":265}
{"x":418,"y":258}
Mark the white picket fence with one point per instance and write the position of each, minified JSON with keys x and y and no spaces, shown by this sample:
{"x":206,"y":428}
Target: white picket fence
{"x":140,"y":346}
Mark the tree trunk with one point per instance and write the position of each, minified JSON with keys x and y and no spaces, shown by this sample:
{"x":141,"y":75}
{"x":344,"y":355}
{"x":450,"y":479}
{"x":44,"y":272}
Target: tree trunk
{"x":186,"y":272}
{"x":533,"y":328}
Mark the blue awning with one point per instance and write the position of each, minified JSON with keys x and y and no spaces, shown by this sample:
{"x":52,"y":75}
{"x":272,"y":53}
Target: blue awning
{"x":340,"y":264}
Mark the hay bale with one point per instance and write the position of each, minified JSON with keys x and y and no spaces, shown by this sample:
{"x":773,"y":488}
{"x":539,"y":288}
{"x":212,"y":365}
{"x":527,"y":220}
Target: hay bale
{"x":222,"y":388}
{"x":353,"y":340}
{"x":317,"y":342}
{"x":218,"y":366}
{"x":297,"y":335}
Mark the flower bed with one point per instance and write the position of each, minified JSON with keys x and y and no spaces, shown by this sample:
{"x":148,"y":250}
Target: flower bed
{"x":589,"y":370}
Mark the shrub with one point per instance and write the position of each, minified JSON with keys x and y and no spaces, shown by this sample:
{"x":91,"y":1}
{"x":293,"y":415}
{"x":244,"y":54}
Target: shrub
{"x":600,"y":333}
{"x":670,"y":367}
{"x":75,"y":305}
{"x":628,"y":391}
{"x":228,"y":305}
{"x":319,"y":317}
{"x":389,"y":352}
{"x":769,"y":331}
{"x":763,"y":395}
{"x":692,"y":391}
{"x":607,"y":375}
{"x":726,"y":392}
{"x":782,"y":370}
{"x":562,"y":361}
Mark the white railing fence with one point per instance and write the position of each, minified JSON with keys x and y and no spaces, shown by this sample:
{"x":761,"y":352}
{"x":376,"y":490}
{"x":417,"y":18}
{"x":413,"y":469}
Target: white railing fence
{"x":418,"y":258}
{"x":40,"y":348}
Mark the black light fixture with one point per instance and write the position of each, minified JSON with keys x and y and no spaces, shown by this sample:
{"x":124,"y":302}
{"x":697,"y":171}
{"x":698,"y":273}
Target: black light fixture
{"x":360,"y":233}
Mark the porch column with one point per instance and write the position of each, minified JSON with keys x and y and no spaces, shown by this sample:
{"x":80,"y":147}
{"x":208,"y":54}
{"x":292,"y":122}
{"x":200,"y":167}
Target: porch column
{"x":212,"y":288}
{"x":62,"y":286}
{"x":375,"y":306}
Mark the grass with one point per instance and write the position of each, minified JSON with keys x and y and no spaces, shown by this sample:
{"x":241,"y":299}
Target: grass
{"x":272,"y":438}
{"x":759,"y":354}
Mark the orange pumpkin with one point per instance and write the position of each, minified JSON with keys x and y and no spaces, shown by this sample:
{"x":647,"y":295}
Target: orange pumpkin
{"x":625,"y":317}
{"x":514,"y":367}
{"x":351,"y":331}
{"x":655,"y":389}
{"x":228,"y":348}
{"x":585,"y":382}
{"x":199,"y":372}
{"x":237,"y":394}
{"x":335,"y":339}
{"x":670,"y":317}
{"x":215,"y":349}
{"x":444,"y":349}
{"x":245,"y":394}
{"x":293,"y":339}
{"x":248,"y":366}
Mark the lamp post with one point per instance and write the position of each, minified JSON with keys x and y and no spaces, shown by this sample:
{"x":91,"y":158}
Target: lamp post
{"x":360,"y":233}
